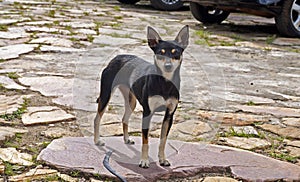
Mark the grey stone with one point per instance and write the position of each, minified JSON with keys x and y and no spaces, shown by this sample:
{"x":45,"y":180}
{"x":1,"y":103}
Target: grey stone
{"x":86,"y":31}
{"x":13,"y":51}
{"x":282,"y":41}
{"x":246,"y":143}
{"x":8,"y":132}
{"x":47,"y":30}
{"x":292,"y":122}
{"x":114,"y":41}
{"x":52,"y":41}
{"x":34,"y":174}
{"x":55,"y":132}
{"x":187,"y":159}
{"x":248,"y":130}
{"x":14,"y":33}
{"x":8,"y":21}
{"x":276,"y":111}
{"x":46,"y":48}
{"x":233,"y":119}
{"x":288,"y":131}
{"x":9,"y":104}
{"x":60,"y":87}
{"x":78,"y":24}
{"x":219,"y":179}
{"x":10,"y":84}
{"x":12,"y":156}
{"x":45,"y":115}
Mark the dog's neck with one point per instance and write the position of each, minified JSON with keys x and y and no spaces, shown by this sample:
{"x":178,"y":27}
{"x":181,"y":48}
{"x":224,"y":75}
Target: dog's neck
{"x":173,"y":77}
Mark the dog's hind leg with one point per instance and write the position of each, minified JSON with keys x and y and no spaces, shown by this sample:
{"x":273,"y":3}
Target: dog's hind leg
{"x":103,"y":100}
{"x":130,"y":103}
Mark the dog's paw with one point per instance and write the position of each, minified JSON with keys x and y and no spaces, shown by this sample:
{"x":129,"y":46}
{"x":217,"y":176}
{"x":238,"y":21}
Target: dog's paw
{"x":144,"y":163}
{"x":164,"y":162}
{"x":129,"y":142}
{"x":99,"y":143}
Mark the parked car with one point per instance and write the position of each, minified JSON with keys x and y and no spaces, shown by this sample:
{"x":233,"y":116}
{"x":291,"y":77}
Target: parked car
{"x":285,"y":12}
{"x":159,"y":4}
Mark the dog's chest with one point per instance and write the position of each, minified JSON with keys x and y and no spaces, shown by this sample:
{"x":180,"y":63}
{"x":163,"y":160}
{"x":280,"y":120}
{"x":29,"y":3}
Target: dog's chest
{"x":158,"y":101}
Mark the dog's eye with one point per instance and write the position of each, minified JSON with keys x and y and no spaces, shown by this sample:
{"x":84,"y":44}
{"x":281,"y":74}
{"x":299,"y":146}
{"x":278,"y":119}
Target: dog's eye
{"x":173,"y":51}
{"x":163,"y":51}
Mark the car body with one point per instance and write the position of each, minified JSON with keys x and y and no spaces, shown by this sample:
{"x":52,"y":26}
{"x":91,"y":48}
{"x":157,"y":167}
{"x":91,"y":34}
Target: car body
{"x":159,"y":4}
{"x":285,"y":12}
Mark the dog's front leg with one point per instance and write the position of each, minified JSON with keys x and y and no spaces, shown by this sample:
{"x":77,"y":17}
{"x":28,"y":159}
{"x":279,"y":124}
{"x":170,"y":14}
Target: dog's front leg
{"x":166,"y":126}
{"x":144,"y":163}
{"x":167,"y":123}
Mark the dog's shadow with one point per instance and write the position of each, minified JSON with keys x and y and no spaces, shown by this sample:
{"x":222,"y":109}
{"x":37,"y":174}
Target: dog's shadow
{"x":128,"y":156}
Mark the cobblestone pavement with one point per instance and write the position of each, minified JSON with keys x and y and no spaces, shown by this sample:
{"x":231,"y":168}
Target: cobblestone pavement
{"x":240,"y":80}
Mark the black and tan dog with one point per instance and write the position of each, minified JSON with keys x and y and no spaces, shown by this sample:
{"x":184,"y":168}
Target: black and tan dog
{"x":156,"y":87}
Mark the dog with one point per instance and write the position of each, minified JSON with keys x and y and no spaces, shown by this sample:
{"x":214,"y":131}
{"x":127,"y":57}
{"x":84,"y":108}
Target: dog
{"x":155,"y":86}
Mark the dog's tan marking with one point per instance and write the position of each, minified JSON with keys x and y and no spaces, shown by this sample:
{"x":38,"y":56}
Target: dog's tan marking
{"x":155,"y":102}
{"x":144,"y":163}
{"x":163,"y":51}
{"x":173,"y":51}
{"x":97,"y":126}
{"x":171,"y":104}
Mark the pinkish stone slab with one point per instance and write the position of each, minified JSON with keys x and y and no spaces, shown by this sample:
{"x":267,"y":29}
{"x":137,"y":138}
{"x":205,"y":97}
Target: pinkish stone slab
{"x":187,"y":159}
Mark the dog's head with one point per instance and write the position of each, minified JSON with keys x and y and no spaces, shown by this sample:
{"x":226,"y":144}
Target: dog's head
{"x":168,"y":54}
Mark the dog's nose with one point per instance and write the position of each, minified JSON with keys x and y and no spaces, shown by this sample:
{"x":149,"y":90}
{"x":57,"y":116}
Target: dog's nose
{"x":168,"y":66}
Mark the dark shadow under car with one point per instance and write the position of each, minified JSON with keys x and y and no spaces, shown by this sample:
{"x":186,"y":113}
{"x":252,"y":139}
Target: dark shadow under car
{"x":285,"y":12}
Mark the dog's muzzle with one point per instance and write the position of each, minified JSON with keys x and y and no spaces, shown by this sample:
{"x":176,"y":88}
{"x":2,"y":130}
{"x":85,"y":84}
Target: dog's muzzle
{"x":168,"y":66}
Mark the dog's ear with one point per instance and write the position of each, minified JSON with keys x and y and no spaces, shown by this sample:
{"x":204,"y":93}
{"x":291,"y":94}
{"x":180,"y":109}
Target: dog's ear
{"x":183,"y":37}
{"x":153,"y":38}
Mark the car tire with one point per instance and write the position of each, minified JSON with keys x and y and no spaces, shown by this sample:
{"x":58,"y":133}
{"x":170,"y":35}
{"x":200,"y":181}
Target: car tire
{"x":169,"y":5}
{"x":288,"y":21}
{"x":128,"y":1}
{"x":207,"y":15}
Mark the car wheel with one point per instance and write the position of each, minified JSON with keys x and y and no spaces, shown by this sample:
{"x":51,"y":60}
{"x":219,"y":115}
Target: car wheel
{"x":167,"y":4}
{"x":128,"y":1}
{"x":288,"y":22}
{"x":208,"y":14}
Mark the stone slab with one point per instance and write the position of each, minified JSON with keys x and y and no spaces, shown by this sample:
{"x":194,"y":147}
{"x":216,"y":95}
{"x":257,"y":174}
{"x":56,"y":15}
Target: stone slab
{"x":276,"y":111}
{"x":246,"y":143}
{"x":113,"y":41}
{"x":52,"y":41}
{"x":10,"y":83}
{"x":9,"y":104}
{"x":187,"y":159}
{"x":45,"y":115}
{"x":34,"y":174}
{"x":7,"y":132}
{"x":13,"y":51}
{"x":11,"y":155}
{"x":60,"y":87}
{"x":291,"y":132}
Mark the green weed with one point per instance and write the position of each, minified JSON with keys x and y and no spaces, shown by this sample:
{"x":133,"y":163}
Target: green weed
{"x":251,"y":103}
{"x":270,"y":39}
{"x":117,"y":8}
{"x":232,"y":132}
{"x":90,"y":38}
{"x":283,"y":156}
{"x":18,"y":113}
{"x":3,"y":28}
{"x":13,"y":75}
{"x":9,"y":169}
{"x":51,"y":13}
